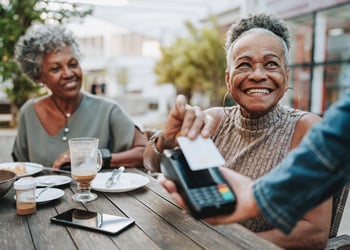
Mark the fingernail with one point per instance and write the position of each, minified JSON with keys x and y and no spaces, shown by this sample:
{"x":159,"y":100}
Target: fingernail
{"x":205,"y":133}
{"x":192,"y":134}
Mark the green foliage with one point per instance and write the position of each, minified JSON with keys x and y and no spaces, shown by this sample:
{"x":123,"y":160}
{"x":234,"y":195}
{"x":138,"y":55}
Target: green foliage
{"x":16,"y":17}
{"x":197,"y":59}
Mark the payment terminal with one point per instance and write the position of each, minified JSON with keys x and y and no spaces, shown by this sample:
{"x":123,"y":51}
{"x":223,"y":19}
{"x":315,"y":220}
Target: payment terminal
{"x":205,"y":191}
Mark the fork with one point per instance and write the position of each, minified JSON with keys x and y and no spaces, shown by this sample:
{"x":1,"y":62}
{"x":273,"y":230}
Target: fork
{"x":43,"y":190}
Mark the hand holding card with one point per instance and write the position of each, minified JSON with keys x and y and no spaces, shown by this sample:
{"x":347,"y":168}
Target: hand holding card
{"x":200,"y":153}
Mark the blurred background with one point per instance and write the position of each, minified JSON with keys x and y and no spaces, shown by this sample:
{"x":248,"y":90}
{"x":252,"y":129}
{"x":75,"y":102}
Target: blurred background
{"x":144,"y":52}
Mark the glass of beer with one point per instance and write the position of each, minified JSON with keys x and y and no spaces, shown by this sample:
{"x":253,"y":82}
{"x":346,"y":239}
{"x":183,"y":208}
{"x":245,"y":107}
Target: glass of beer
{"x":86,"y":161}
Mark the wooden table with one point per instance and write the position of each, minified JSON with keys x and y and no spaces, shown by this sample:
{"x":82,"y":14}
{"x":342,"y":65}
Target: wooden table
{"x":159,"y":224}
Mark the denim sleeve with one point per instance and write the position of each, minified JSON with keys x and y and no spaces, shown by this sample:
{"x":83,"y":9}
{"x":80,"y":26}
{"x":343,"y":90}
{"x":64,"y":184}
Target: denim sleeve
{"x":318,"y":168}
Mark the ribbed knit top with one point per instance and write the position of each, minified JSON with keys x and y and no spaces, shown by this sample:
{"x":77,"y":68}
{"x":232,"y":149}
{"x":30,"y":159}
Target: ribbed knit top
{"x":253,"y":147}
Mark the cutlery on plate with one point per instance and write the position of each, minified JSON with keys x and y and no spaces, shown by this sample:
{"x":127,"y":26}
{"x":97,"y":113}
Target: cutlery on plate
{"x":56,"y":170}
{"x":43,"y":190}
{"x":115,"y":174}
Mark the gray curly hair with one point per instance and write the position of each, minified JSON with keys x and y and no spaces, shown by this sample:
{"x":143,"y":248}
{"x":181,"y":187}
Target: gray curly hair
{"x":264,"y":21}
{"x":38,"y":41}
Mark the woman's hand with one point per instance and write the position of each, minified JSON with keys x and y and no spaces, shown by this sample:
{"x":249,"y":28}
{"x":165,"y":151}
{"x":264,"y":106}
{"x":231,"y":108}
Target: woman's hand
{"x":246,"y":206}
{"x":62,"y":159}
{"x":186,"y":120}
{"x":183,"y":120}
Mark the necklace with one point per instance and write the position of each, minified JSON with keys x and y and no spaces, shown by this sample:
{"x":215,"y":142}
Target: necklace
{"x":66,"y":116}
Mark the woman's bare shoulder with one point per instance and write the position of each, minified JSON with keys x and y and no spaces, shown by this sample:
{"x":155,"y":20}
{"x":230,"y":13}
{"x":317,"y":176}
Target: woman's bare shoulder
{"x":304,"y":124}
{"x":307,"y":121}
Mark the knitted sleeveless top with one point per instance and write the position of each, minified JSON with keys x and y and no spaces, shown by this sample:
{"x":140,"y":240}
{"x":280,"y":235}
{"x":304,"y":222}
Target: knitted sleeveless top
{"x":253,"y":147}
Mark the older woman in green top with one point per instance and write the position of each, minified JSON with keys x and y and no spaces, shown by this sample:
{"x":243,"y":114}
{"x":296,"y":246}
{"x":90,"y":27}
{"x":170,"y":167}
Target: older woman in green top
{"x":49,"y":55}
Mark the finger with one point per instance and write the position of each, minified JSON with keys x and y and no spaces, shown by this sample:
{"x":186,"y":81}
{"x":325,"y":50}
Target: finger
{"x":174,"y":122}
{"x":193,"y":122}
{"x":170,"y":187}
{"x":197,"y":124}
{"x":180,"y":106}
{"x":209,"y":126}
{"x":167,"y":184}
{"x":188,"y":120}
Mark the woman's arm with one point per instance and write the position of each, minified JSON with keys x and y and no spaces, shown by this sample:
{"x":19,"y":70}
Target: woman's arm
{"x":132,"y":157}
{"x":183,"y":120}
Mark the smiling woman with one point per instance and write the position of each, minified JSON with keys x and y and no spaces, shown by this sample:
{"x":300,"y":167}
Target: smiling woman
{"x":48,"y":54}
{"x":258,"y":76}
{"x":257,"y":133}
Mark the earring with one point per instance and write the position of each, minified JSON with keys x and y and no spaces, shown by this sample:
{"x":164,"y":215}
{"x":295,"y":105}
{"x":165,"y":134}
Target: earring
{"x":224,"y":102}
{"x":297,"y":98}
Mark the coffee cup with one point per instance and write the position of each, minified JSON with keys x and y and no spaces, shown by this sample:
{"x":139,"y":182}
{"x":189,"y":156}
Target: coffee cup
{"x":86,"y":161}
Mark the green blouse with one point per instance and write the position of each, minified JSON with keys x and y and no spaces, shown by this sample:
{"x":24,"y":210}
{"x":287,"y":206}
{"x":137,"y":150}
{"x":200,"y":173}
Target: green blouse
{"x":95,"y":117}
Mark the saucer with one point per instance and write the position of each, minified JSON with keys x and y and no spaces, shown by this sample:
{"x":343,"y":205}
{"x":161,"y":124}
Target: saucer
{"x":49,"y":195}
{"x":124,"y":183}
{"x":54,"y":180}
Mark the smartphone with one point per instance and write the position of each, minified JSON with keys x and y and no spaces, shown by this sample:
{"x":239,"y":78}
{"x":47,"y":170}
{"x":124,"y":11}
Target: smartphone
{"x":105,"y":223}
{"x":205,"y":191}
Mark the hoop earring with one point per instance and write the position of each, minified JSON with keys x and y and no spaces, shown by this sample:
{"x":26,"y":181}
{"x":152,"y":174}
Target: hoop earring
{"x":296,"y":96}
{"x":295,"y":93}
{"x":224,"y":102}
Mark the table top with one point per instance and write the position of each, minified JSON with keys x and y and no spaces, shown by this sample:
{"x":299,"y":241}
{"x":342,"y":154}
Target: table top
{"x":159,"y":224}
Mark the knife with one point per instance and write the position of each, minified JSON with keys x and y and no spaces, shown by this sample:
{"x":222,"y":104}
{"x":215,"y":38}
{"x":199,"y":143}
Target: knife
{"x":54,"y":169}
{"x":115,"y":174}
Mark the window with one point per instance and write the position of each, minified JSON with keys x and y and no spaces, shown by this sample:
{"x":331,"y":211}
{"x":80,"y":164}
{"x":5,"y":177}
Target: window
{"x":301,"y":39}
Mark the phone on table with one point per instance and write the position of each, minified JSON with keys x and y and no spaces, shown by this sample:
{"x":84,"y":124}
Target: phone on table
{"x":106,"y":223}
{"x":205,"y":191}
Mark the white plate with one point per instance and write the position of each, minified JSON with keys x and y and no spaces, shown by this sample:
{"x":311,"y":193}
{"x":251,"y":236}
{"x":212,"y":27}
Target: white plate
{"x":49,"y":195}
{"x":125,"y":182}
{"x":56,"y":180}
{"x":30,"y":168}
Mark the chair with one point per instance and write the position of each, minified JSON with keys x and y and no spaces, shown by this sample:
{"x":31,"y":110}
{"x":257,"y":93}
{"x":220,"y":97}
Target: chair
{"x":342,"y":241}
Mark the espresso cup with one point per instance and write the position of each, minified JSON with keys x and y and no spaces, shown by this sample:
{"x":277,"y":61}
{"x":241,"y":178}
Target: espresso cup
{"x":86,"y":161}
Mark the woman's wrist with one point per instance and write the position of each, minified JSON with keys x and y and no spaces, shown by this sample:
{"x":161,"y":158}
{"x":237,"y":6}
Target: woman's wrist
{"x":165,"y":143}
{"x":154,"y":141}
{"x":106,"y":157}
{"x":159,"y":142}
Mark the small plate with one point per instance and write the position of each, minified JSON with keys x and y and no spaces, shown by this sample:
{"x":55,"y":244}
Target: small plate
{"x":55,"y":180}
{"x":49,"y":195}
{"x":125,"y":182}
{"x":22,"y":168}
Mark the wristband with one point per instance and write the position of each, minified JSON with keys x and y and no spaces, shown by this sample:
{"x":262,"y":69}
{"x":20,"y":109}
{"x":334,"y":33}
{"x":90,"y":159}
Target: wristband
{"x":106,"y":157}
{"x":153,"y":140}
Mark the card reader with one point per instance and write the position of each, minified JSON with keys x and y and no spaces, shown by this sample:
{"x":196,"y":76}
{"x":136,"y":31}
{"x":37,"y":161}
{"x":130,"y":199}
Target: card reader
{"x":205,"y":191}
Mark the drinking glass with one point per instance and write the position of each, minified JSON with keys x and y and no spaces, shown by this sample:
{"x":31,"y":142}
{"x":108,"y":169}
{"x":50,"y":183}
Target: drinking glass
{"x":86,"y":161}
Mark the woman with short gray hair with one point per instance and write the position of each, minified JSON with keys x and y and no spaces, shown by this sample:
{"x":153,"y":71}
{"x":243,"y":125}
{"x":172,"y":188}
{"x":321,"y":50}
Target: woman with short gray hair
{"x":48,"y":54}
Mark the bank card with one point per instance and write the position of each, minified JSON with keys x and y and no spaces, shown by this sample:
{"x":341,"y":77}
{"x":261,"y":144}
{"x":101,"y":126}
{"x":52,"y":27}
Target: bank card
{"x":200,"y":153}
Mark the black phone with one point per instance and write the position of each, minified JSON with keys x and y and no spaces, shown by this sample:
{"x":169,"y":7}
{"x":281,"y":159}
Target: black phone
{"x":205,"y":191}
{"x":106,"y":223}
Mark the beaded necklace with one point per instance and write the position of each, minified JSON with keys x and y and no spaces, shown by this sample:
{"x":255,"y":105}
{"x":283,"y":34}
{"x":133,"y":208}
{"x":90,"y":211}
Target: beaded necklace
{"x":66,"y":116}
